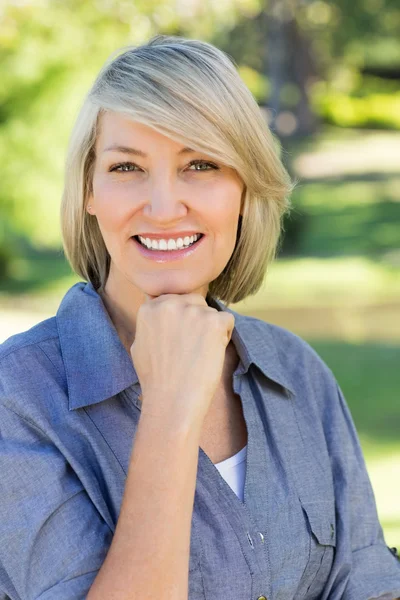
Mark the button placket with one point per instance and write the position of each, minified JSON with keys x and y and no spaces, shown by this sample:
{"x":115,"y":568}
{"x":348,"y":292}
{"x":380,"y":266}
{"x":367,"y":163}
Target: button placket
{"x":257,"y":501}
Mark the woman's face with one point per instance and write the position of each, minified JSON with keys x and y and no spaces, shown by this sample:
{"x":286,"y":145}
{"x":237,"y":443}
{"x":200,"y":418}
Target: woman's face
{"x":146,"y":183}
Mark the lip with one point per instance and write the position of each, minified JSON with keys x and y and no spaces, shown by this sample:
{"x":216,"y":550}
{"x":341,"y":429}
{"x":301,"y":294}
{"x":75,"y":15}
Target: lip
{"x":162,"y":256}
{"x":166,"y":236}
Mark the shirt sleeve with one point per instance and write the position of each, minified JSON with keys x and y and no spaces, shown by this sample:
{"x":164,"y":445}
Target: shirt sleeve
{"x":53,"y":540}
{"x":364,"y":567}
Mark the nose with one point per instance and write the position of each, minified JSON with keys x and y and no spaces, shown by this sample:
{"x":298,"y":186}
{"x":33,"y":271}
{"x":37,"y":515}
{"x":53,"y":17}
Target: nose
{"x":165,"y":204}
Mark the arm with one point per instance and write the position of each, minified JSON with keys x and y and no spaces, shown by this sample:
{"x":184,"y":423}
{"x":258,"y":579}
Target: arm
{"x":54,"y":542}
{"x":52,"y":538}
{"x":364,"y":568}
{"x":149,"y":554}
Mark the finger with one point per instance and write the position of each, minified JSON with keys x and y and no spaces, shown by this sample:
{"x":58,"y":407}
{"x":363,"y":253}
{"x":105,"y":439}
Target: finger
{"x":230,"y":326}
{"x":148,"y":297}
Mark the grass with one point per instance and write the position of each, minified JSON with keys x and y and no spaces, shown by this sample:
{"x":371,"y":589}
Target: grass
{"x":348,"y":218}
{"x":369,"y":377}
{"x":337,"y":281}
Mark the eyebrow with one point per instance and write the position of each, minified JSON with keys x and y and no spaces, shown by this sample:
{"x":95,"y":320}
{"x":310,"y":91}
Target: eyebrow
{"x":135,"y":152}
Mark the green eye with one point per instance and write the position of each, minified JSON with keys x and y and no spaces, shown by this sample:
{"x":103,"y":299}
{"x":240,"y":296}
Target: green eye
{"x":202,"y":163}
{"x":124,"y":167}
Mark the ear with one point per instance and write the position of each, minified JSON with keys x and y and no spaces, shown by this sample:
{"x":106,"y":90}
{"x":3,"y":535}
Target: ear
{"x":89,"y":208}
{"x":242,"y":200}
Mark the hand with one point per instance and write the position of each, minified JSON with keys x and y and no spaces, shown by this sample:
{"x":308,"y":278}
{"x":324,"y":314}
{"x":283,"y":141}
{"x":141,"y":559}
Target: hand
{"x":178,"y":354}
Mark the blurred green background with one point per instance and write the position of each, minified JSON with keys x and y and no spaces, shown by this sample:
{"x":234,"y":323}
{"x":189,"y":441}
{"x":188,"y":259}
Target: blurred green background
{"x":327,"y":78}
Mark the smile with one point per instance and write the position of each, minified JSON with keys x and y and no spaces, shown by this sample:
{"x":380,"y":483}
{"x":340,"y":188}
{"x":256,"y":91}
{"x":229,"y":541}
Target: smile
{"x":169,"y":254}
{"x":168,"y":244}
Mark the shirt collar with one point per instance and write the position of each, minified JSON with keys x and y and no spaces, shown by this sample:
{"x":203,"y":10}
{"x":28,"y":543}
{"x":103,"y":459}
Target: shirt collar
{"x":98,"y":366}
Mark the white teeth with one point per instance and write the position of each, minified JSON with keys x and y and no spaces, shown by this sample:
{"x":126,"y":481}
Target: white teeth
{"x":170,"y":244}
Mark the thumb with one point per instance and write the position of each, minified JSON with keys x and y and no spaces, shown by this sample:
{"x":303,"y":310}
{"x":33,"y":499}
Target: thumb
{"x":230,"y":327}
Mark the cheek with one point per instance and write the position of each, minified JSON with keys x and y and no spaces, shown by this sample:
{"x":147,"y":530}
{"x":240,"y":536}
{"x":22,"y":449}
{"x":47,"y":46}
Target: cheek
{"x":227,"y":209}
{"x":113,"y":206}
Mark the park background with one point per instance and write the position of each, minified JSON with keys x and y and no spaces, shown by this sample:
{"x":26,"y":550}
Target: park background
{"x":327,"y":77}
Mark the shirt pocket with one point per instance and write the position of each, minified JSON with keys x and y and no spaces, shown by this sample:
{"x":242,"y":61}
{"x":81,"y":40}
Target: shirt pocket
{"x":321,"y":522}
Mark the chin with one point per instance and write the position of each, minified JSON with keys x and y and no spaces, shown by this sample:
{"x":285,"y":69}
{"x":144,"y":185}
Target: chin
{"x":171,"y":288}
{"x":169,"y":283}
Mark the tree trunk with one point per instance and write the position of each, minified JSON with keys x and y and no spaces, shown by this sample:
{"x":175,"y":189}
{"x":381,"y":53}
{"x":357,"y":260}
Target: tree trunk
{"x":288,"y":60}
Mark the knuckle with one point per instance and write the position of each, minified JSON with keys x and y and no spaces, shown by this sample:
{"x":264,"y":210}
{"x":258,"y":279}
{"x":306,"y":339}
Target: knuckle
{"x":195,"y":311}
{"x":168,"y":305}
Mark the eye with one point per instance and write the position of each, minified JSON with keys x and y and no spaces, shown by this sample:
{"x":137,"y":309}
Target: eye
{"x":202,"y":163}
{"x":124,"y":167}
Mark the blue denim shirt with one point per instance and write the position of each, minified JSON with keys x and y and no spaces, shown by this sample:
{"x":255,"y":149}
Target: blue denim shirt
{"x":69,"y":410}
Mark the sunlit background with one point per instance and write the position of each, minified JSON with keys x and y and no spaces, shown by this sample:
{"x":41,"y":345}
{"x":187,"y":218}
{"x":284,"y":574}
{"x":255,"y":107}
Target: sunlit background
{"x":327,"y":78}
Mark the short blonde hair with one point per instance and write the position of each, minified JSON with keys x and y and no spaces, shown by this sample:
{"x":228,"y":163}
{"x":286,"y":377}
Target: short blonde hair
{"x":190,"y":91}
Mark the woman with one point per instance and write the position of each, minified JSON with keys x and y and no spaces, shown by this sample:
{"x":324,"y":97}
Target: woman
{"x":156,"y":443}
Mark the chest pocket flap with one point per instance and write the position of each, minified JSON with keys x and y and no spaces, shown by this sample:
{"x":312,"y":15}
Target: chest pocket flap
{"x":322,"y":521}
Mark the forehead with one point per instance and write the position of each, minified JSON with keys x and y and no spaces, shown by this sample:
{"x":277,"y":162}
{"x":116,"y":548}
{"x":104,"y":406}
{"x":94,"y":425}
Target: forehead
{"x":118,"y":129}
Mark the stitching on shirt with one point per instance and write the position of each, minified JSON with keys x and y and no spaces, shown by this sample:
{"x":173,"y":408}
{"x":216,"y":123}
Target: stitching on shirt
{"x":304,"y":441}
{"x":256,"y":393}
{"x":200,"y":567}
{"x":66,"y":580}
{"x":26,"y":421}
{"x":66,"y":370}
{"x":374,"y":545}
{"x":52,"y":337}
{"x":116,"y":457}
{"x":47,"y":356}
{"x":76,"y":493}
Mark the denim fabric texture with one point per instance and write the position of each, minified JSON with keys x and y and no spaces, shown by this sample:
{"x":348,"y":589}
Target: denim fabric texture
{"x":69,"y":408}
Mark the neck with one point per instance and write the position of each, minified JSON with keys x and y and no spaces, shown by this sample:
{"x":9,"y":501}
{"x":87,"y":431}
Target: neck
{"x":122,"y":301}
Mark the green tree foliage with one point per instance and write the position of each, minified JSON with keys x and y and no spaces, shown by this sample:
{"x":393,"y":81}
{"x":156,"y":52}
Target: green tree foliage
{"x":50,"y":52}
{"x":318,"y":49}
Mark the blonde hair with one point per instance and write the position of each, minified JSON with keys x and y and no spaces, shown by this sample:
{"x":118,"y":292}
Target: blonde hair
{"x":190,"y":91}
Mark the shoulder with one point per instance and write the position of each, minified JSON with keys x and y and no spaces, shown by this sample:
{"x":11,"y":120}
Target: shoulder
{"x":39,"y":333}
{"x":294,"y":352}
{"x":30,"y":363}
{"x":287,"y":358}
{"x":305,"y":367}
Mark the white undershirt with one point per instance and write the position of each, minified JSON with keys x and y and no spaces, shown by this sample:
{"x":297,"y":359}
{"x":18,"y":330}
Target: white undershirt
{"x":233,"y":470}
